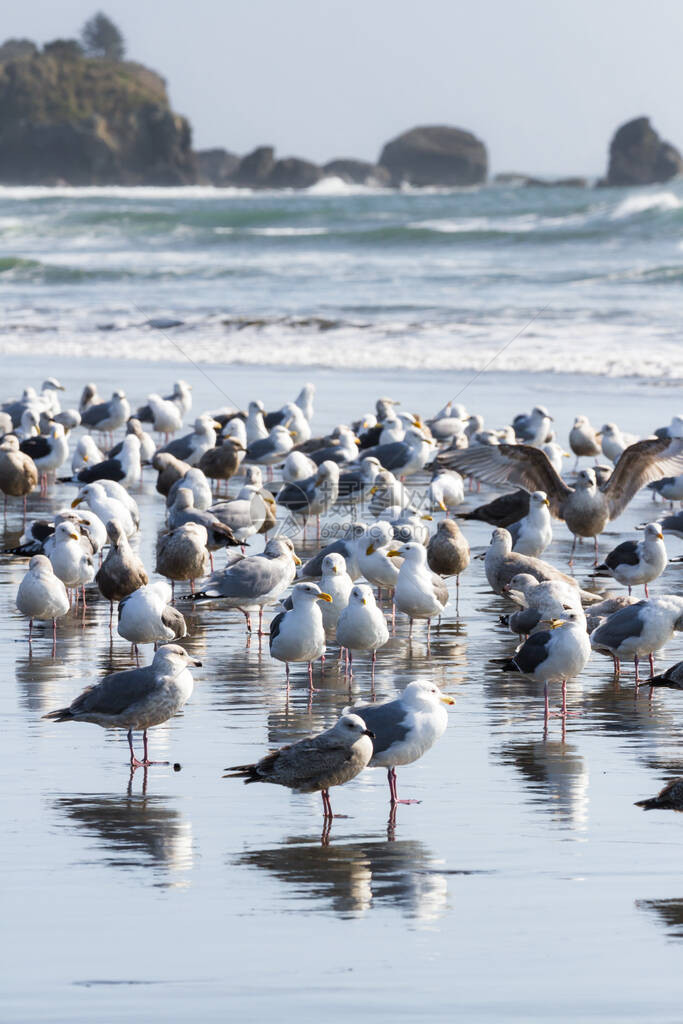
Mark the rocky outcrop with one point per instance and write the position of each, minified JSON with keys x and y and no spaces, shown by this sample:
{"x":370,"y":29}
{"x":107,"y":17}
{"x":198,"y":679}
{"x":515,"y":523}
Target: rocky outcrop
{"x":527,"y":181}
{"x":357,"y":172}
{"x":216,"y":166}
{"x":255,"y":167}
{"x":435,"y":155}
{"x":89,"y":121}
{"x":637,"y":156}
{"x":293,"y":172}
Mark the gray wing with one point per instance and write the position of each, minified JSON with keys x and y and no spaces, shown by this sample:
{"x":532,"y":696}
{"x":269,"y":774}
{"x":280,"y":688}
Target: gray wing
{"x":182,"y":447}
{"x":392,"y":456}
{"x":302,"y":765}
{"x":673,"y":524}
{"x":627,"y":622}
{"x":94,"y":414}
{"x":387,"y":721}
{"x":638,"y":465}
{"x":525,"y":621}
{"x":533,"y":652}
{"x":175,"y":620}
{"x":440,"y":589}
{"x":314,"y":566}
{"x":116,"y":692}
{"x":247,"y":579}
{"x":513,"y":529}
{"x":260,"y":448}
{"x":520,"y":464}
{"x":275,"y":627}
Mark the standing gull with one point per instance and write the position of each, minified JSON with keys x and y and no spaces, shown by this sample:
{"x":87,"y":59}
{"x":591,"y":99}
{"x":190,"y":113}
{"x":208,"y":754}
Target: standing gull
{"x":448,"y":553}
{"x":532,"y":534}
{"x":419,"y":593}
{"x":42,"y":595}
{"x":298,"y":634}
{"x":534,"y":428}
{"x":584,"y":440}
{"x":316,"y":764}
{"x":138,"y":698}
{"x":501,"y":563}
{"x":554,"y":655}
{"x":18,"y":473}
{"x":639,"y":630}
{"x":122,"y":571}
{"x":107,"y":416}
{"x":147,"y":616}
{"x":48,"y":452}
{"x":71,"y":563}
{"x":182,"y":554}
{"x":192,"y":447}
{"x":362,"y":626}
{"x":632,"y":562}
{"x":406,"y":728}
{"x":125,"y":467}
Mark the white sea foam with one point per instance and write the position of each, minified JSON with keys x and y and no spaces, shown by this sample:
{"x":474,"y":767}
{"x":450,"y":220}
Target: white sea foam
{"x":637,"y":203}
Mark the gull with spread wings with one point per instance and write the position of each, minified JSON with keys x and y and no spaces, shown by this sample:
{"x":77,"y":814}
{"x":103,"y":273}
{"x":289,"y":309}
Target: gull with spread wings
{"x":586,"y":508}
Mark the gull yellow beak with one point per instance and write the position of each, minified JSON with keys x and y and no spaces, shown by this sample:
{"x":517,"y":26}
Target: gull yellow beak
{"x":446,"y":699}
{"x":76,"y":501}
{"x":369,"y":549}
{"x":442,"y":506}
{"x":85,"y":458}
{"x":297,"y":560}
{"x":553,"y":623}
{"x":546,"y":502}
{"x":426,"y":516}
{"x":566,"y":455}
{"x":373,"y":490}
{"x":75,"y":536}
{"x":216,"y":425}
{"x":394,"y":553}
{"x":356,"y":441}
{"x":660,"y":536}
{"x":324,"y":597}
{"x":292,"y":433}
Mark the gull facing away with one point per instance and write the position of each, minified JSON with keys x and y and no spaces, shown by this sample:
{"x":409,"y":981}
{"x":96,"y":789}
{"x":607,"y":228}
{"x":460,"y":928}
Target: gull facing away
{"x":18,"y":472}
{"x":136,"y":699}
{"x":316,"y":764}
{"x":554,"y":655}
{"x":405,"y":729}
{"x":585,"y":508}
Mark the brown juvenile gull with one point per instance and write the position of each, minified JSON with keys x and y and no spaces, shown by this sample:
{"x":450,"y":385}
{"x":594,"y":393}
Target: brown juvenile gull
{"x":122,"y":571}
{"x":169,"y":469}
{"x":502,"y":563}
{"x":584,"y":439}
{"x":315,"y":764}
{"x":182,"y":554}
{"x":223,"y":461}
{"x":18,"y":472}
{"x":448,"y":553}
{"x":137,"y":698}
{"x":585,"y":508}
{"x":183,"y":511}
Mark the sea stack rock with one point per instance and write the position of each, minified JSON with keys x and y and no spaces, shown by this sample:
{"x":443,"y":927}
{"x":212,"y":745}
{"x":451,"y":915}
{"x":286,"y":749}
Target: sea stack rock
{"x":216,"y":166}
{"x":637,"y":156}
{"x":357,"y":172}
{"x":293,"y":172}
{"x":435,"y":155}
{"x":69,"y":118}
{"x":255,"y":167}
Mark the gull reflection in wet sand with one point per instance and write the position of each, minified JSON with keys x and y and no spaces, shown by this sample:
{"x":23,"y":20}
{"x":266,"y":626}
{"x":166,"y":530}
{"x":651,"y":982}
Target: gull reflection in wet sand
{"x":555,"y":770}
{"x":136,"y":830}
{"x":351,"y":878}
{"x":669,"y":914}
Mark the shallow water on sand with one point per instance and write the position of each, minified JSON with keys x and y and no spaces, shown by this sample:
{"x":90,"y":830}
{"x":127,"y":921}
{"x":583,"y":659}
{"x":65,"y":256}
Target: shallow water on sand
{"x":525,"y":885}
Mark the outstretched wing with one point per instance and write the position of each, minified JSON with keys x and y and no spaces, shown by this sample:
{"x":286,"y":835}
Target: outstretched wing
{"x":638,"y":465}
{"x":520,"y":464}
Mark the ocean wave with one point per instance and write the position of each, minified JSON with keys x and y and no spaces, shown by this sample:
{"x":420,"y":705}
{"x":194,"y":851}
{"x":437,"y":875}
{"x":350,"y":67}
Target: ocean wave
{"x":636,"y":204}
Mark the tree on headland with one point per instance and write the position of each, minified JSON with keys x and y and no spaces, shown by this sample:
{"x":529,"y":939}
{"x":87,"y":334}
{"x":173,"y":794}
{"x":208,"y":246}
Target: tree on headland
{"x":101,"y":38}
{"x":17,"y":49}
{"x":64,"y":49}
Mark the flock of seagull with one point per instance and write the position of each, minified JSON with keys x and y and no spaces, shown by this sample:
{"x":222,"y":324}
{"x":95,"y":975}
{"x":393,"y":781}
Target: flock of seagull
{"x":400,"y":480}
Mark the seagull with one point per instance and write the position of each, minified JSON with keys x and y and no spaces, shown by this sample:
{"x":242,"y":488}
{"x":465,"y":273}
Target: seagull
{"x":373,"y":556}
{"x":105,"y":507}
{"x":48,"y":452}
{"x":501,"y":563}
{"x":18,"y":472}
{"x":147,"y":616}
{"x":298,"y":634}
{"x":586,"y":508}
{"x":639,"y":630}
{"x":448,"y":553}
{"x":535,"y":428}
{"x":344,"y":452}
{"x":191,"y":447}
{"x":634,"y":562}
{"x":336,"y":582}
{"x":147,"y":445}
{"x":255,"y":425}
{"x":42,"y":595}
{"x":446,"y":490}
{"x":315,"y":764}
{"x":386,"y":492}
{"x":182,"y":554}
{"x":270,"y":449}
{"x":195,"y":482}
{"x":357,"y":481}
{"x":598,"y":614}
{"x":584,"y":439}
{"x":539,"y":602}
{"x":669,"y":487}
{"x":244,"y":515}
{"x":137,"y":698}
{"x":256,"y":581}
{"x":298,"y":466}
{"x":181,"y":397}
{"x":86,"y":453}
{"x":89,"y":527}
{"x":89,"y":396}
{"x":116,"y":492}
{"x":670,"y":798}
{"x":122,"y":571}
{"x":70,"y":562}
{"x":673,"y":525}
{"x":554,"y":655}
{"x":107,"y":416}
{"x":407,"y":456}
{"x":419,"y":593}
{"x":555,"y":453}
{"x":314,"y":496}
{"x":347,"y":547}
{"x":405,"y":729}
{"x":223,"y":461}
{"x":503,"y":511}
{"x":613,"y":442}
{"x":182,"y":511}
{"x":125,"y":467}
{"x":169,"y":470}
{"x":532,"y":534}
{"x":167,"y":416}
{"x":362,"y":626}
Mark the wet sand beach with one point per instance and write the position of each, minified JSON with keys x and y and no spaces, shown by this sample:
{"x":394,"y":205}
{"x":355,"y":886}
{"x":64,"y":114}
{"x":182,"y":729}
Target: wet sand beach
{"x":524,"y":886}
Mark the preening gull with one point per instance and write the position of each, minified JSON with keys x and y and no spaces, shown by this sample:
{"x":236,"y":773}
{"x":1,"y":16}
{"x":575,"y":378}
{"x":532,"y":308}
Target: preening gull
{"x":406,"y":728}
{"x":147,"y":616}
{"x":316,"y":764}
{"x":138,"y":698}
{"x":446,"y":490}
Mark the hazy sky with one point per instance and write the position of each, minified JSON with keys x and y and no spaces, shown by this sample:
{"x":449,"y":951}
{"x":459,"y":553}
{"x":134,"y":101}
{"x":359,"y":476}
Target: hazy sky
{"x":542,"y":82}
